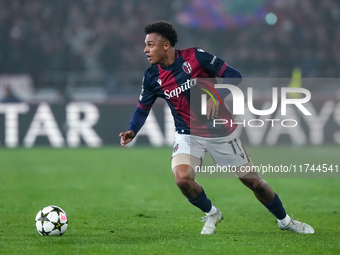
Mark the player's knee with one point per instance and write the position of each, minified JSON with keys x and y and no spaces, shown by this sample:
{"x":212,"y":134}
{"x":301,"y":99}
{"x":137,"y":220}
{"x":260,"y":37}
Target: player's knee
{"x":255,"y":184}
{"x":182,"y":167}
{"x":183,"y":183}
{"x":182,"y":177}
{"x":258,"y":185}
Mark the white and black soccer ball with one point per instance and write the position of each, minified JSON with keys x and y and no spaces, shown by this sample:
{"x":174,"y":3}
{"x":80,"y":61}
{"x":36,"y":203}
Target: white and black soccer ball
{"x":51,"y":221}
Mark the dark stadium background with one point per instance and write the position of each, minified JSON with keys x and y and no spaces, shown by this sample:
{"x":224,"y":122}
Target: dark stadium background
{"x":70,"y":51}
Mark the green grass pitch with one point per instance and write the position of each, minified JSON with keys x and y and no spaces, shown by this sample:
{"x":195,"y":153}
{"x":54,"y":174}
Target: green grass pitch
{"x":125,"y":201}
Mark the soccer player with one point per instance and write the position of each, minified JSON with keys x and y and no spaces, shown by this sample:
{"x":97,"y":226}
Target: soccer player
{"x":172,"y":75}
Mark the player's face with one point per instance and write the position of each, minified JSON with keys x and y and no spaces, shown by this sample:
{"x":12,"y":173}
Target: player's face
{"x":155,"y":49}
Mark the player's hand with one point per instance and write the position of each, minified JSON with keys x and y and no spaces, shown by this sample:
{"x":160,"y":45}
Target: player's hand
{"x":212,"y":108}
{"x":126,"y":137}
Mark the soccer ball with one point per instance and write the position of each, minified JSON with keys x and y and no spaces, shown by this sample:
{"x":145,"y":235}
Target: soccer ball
{"x":51,"y":221}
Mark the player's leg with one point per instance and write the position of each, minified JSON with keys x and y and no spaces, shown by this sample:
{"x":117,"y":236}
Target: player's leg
{"x":183,"y":163}
{"x":264,"y":193}
{"x":183,"y":166}
{"x":187,"y":154}
{"x":185,"y":176}
{"x":229,"y":151}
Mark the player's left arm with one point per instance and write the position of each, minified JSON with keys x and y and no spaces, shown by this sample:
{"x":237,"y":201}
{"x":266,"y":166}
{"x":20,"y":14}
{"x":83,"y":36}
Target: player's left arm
{"x":216,"y":67}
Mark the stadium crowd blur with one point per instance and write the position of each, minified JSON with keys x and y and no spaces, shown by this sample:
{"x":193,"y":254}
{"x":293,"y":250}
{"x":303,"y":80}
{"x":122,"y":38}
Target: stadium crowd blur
{"x":47,"y":39}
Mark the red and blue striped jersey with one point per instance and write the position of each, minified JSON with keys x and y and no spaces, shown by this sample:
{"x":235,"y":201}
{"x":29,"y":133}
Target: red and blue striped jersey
{"x":176,"y":84}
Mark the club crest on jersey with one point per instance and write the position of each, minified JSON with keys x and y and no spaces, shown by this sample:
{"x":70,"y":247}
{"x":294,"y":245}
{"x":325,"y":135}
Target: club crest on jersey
{"x":187,"y":67}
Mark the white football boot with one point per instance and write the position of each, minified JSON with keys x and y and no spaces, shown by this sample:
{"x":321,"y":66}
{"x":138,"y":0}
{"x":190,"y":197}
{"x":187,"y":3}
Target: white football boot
{"x":211,"y":222}
{"x":297,"y":227}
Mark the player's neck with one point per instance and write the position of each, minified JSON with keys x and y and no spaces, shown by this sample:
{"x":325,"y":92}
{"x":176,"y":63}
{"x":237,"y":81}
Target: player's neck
{"x":170,"y":57}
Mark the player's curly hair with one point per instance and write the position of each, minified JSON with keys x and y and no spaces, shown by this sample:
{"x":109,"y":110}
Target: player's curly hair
{"x":164,"y":29}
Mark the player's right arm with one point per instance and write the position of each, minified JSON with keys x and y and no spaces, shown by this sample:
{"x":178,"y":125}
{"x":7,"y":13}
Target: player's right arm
{"x":145,"y":102}
{"x":137,"y":121}
{"x":126,"y":137}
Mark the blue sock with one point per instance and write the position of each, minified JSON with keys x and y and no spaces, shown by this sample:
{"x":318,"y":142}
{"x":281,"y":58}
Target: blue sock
{"x":202,"y":202}
{"x":276,"y":208}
